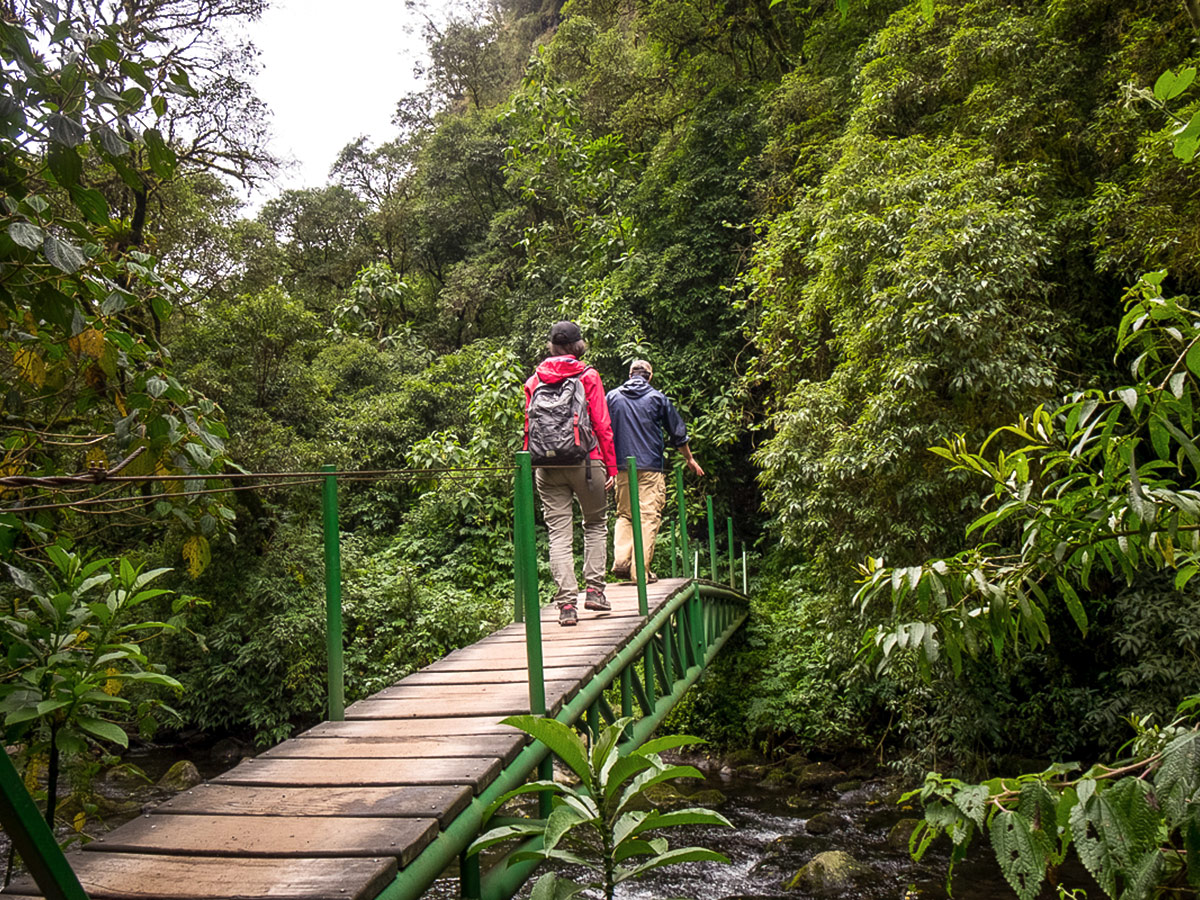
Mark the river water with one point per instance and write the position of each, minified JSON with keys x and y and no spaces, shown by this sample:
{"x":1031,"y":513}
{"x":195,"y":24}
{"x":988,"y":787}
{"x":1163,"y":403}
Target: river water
{"x":771,"y":839}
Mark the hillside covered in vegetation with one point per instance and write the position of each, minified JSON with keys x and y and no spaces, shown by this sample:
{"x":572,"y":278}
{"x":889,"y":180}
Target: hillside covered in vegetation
{"x":844,"y":232}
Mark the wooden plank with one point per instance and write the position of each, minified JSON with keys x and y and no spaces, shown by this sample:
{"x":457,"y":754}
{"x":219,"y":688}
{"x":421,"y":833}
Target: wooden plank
{"x":498,"y":676}
{"x":475,"y":773}
{"x":275,"y":836}
{"x":504,"y":693}
{"x":425,"y":702}
{"x":401,"y":728}
{"x":139,"y":876}
{"x":491,"y":746}
{"x":442,"y":802}
{"x":485,"y":658}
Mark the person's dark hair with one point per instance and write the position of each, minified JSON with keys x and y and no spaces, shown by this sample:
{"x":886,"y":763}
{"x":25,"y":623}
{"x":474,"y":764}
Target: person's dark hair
{"x":577,"y":349}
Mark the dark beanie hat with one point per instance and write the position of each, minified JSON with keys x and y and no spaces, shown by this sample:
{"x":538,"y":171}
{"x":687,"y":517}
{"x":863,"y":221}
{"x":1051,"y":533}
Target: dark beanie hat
{"x":565,"y":333}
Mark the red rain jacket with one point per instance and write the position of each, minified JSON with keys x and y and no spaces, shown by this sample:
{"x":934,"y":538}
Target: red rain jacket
{"x":555,"y":369}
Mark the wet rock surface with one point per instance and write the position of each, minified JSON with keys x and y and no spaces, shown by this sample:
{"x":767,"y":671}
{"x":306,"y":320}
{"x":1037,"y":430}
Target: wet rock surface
{"x":848,"y":833}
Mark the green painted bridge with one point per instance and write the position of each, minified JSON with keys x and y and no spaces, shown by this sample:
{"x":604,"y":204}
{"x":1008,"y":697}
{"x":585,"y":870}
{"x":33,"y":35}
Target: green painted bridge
{"x":386,"y":796}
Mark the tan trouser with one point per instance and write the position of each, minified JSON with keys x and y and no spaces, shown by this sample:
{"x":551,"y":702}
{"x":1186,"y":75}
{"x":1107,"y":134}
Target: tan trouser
{"x":652,"y":498}
{"x":558,"y":489}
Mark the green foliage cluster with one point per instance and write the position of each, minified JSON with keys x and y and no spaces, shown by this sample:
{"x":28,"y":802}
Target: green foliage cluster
{"x":1133,"y":824}
{"x":599,"y":825}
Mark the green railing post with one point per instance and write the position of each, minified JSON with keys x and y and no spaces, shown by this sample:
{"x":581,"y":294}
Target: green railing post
{"x":527,"y":560}
{"x":470,"y":879}
{"x":627,"y":692}
{"x":526,"y":552}
{"x":712,"y":542}
{"x":745,"y":579}
{"x":333,"y":596}
{"x":33,"y":839}
{"x":732,"y":582}
{"x":518,"y":568}
{"x":639,"y":556}
{"x":682,"y":503}
{"x":669,"y":650}
{"x":674,"y":567}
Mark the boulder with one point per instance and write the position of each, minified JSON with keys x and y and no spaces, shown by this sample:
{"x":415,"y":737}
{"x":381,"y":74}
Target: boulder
{"x":819,"y":775}
{"x":824,"y":823}
{"x":709,"y":798}
{"x":844,"y":786}
{"x":774,"y":779}
{"x":900,"y":833}
{"x":833,"y":870}
{"x":666,"y":796}
{"x":180,"y":777}
{"x":742,"y":758}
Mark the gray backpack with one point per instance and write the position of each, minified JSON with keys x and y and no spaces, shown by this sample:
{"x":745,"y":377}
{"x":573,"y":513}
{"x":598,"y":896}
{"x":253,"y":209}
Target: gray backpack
{"x":557,"y":423}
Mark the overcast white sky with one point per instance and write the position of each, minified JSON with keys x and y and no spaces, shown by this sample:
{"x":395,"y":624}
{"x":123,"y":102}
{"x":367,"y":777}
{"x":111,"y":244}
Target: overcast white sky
{"x":330,"y":71}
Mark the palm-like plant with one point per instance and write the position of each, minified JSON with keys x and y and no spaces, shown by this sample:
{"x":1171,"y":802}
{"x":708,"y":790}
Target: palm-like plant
{"x":595,"y":825}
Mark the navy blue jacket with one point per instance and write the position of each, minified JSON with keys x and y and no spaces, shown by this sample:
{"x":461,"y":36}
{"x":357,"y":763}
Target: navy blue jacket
{"x":640,"y":414}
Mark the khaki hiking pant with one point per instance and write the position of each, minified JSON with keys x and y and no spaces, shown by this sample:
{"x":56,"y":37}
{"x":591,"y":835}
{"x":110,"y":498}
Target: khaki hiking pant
{"x":559,"y":488}
{"x":652,"y":499}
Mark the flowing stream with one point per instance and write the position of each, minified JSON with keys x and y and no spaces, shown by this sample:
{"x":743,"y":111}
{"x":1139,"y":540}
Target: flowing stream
{"x":778,"y":828}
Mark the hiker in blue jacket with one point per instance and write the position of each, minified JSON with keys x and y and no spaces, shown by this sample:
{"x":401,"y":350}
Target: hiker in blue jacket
{"x":640,"y":414}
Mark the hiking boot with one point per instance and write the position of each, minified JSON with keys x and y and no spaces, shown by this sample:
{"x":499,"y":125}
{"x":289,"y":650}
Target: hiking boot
{"x":597,"y":601}
{"x":567,"y":614}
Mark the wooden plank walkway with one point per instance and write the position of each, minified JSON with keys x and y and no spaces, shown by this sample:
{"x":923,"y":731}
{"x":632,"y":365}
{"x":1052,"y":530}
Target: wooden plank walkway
{"x":333,"y":813}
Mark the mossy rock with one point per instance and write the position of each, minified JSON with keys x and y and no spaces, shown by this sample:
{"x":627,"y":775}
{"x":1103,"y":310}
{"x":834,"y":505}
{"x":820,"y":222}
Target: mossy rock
{"x":709,"y":798}
{"x":900,"y":834}
{"x":824,"y":823}
{"x":744,"y":757}
{"x":666,"y":796}
{"x":844,"y":786}
{"x":819,"y":775}
{"x":796,"y":762}
{"x":180,"y":777}
{"x":774,"y":779}
{"x":753,"y":772}
{"x":833,"y":870}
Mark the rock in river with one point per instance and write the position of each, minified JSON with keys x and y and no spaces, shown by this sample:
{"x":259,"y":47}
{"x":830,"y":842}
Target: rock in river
{"x":833,"y":870}
{"x":180,"y":777}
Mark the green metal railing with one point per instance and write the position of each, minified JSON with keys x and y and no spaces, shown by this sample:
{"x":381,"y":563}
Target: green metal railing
{"x":650,"y":673}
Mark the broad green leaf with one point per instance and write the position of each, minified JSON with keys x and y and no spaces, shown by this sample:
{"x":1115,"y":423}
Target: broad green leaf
{"x":26,"y":234}
{"x":560,"y":738}
{"x":1021,"y":860}
{"x":106,"y":731}
{"x":62,"y":255}
{"x":554,"y":887}
{"x":690,"y":816}
{"x":669,"y":742}
{"x":1171,"y":84}
{"x":683,"y":854}
{"x":503,"y":833}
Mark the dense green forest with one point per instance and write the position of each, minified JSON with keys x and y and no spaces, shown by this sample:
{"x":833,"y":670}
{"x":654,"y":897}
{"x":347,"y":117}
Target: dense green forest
{"x":845,"y":233}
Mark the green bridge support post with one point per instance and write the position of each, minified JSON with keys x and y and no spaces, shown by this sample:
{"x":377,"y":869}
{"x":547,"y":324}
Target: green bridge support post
{"x":527,"y":556}
{"x":681,"y":501}
{"x":712,"y":542}
{"x":732,"y":582}
{"x":333,"y":596}
{"x":674,"y":568}
{"x":32,"y":838}
{"x":639,"y":552}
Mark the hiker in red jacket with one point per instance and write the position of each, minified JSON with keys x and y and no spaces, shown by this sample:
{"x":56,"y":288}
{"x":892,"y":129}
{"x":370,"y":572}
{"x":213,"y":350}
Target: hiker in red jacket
{"x":569,"y":435}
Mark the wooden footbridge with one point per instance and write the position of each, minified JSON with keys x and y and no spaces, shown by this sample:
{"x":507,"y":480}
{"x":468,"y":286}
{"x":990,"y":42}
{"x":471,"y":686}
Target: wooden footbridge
{"x":381,"y":800}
